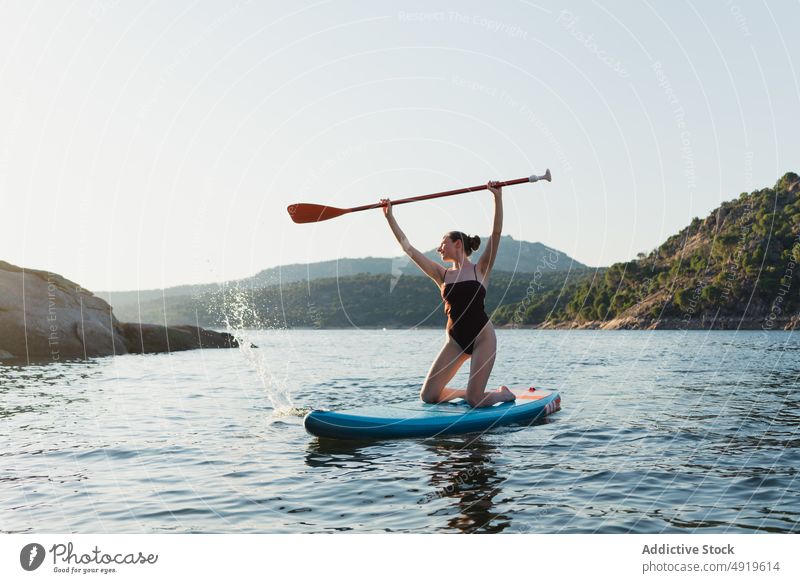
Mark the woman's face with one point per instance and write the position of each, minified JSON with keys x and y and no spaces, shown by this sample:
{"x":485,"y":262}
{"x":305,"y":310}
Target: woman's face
{"x":448,"y":249}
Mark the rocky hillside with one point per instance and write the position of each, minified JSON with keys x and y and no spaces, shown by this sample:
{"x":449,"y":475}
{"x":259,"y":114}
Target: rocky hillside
{"x":735,"y":269}
{"x":47,"y":318}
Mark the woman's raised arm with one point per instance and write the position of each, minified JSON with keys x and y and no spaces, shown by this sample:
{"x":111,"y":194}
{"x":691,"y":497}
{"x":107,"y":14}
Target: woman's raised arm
{"x":486,"y":262}
{"x":430,"y":268}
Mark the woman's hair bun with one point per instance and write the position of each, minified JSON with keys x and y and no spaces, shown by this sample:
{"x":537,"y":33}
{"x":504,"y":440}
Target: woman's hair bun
{"x":470,"y":244}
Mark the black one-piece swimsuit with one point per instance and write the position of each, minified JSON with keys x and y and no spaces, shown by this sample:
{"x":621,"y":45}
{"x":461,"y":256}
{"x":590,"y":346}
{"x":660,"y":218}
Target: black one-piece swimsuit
{"x":466,"y":314}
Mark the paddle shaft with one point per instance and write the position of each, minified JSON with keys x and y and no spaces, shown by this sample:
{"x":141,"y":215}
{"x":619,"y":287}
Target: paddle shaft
{"x":314,"y":213}
{"x":439,"y":194}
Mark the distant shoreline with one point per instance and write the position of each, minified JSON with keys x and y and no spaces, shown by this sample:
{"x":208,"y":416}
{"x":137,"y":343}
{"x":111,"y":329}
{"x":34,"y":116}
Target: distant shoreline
{"x":588,"y":326}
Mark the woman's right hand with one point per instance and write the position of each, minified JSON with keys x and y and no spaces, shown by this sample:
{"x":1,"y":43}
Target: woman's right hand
{"x":495,"y":188}
{"x":387,"y":209}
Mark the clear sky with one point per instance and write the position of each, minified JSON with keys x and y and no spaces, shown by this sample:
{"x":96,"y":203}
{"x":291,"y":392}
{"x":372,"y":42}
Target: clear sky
{"x":150,"y":144}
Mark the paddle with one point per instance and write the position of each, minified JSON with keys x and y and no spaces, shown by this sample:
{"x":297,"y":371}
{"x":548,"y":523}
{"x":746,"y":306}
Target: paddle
{"x":314,"y":213}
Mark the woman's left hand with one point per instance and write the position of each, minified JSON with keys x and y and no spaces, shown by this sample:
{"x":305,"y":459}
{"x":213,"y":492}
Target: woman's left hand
{"x":494,"y":188}
{"x":387,"y":208}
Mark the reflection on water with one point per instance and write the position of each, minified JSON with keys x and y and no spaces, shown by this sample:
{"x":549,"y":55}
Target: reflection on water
{"x":659,"y":432}
{"x":458,"y":471}
{"x":464,"y":472}
{"x":336,"y":453}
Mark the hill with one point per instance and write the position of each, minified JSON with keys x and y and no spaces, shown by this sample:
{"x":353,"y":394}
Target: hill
{"x":513,"y":256}
{"x":735,"y":269}
{"x":363,"y":300}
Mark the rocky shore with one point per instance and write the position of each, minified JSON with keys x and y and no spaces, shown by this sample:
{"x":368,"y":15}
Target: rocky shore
{"x":722,"y":323}
{"x":46,"y":317}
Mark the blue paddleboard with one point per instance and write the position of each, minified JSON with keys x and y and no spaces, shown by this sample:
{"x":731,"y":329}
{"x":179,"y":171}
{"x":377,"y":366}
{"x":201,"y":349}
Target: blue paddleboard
{"x":418,"y":419}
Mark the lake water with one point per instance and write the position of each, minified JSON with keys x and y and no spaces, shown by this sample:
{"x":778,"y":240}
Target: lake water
{"x":658,"y":432}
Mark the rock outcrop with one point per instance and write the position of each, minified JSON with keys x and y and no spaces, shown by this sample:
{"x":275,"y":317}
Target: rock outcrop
{"x":46,"y":317}
{"x":143,"y":338}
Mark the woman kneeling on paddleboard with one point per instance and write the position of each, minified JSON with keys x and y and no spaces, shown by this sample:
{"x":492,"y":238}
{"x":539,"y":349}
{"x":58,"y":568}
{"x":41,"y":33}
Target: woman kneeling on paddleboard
{"x":470,"y":333}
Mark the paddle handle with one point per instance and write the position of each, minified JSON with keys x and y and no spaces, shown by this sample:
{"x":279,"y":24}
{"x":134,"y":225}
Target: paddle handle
{"x":534,"y":178}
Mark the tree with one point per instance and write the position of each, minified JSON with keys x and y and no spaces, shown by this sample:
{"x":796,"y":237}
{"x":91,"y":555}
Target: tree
{"x":711,"y":293}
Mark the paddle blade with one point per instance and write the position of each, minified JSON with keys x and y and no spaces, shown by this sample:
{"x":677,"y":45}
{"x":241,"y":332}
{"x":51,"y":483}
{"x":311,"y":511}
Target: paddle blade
{"x":314,"y":213}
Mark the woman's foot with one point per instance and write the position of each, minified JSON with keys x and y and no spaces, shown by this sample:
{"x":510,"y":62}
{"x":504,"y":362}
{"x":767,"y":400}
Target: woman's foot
{"x":506,"y":394}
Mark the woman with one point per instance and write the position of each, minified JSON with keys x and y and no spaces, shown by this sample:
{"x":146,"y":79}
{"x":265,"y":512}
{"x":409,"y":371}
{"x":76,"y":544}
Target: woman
{"x":470,"y":333}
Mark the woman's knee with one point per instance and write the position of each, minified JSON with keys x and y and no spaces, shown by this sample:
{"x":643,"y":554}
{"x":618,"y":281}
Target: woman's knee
{"x":474,"y":400}
{"x":430,"y":391}
{"x":428,"y":398}
{"x":442,"y":372}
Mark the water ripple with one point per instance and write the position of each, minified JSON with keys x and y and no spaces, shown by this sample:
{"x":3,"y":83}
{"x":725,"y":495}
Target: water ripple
{"x":659,"y":432}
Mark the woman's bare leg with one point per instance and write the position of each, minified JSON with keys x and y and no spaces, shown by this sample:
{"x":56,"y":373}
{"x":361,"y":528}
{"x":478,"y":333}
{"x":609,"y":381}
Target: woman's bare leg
{"x":442,"y":371}
{"x":480,"y":368}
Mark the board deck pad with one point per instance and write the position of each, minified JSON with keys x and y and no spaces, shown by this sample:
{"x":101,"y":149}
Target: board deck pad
{"x":418,"y":419}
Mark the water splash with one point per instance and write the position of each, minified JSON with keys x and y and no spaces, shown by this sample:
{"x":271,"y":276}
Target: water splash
{"x":241,"y":317}
{"x":293,"y":412}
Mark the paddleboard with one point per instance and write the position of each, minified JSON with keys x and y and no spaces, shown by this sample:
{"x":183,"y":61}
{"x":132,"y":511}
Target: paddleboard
{"x":419,"y":419}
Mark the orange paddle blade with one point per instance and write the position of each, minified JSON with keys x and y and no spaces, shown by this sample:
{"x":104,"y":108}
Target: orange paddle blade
{"x":314,"y":213}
